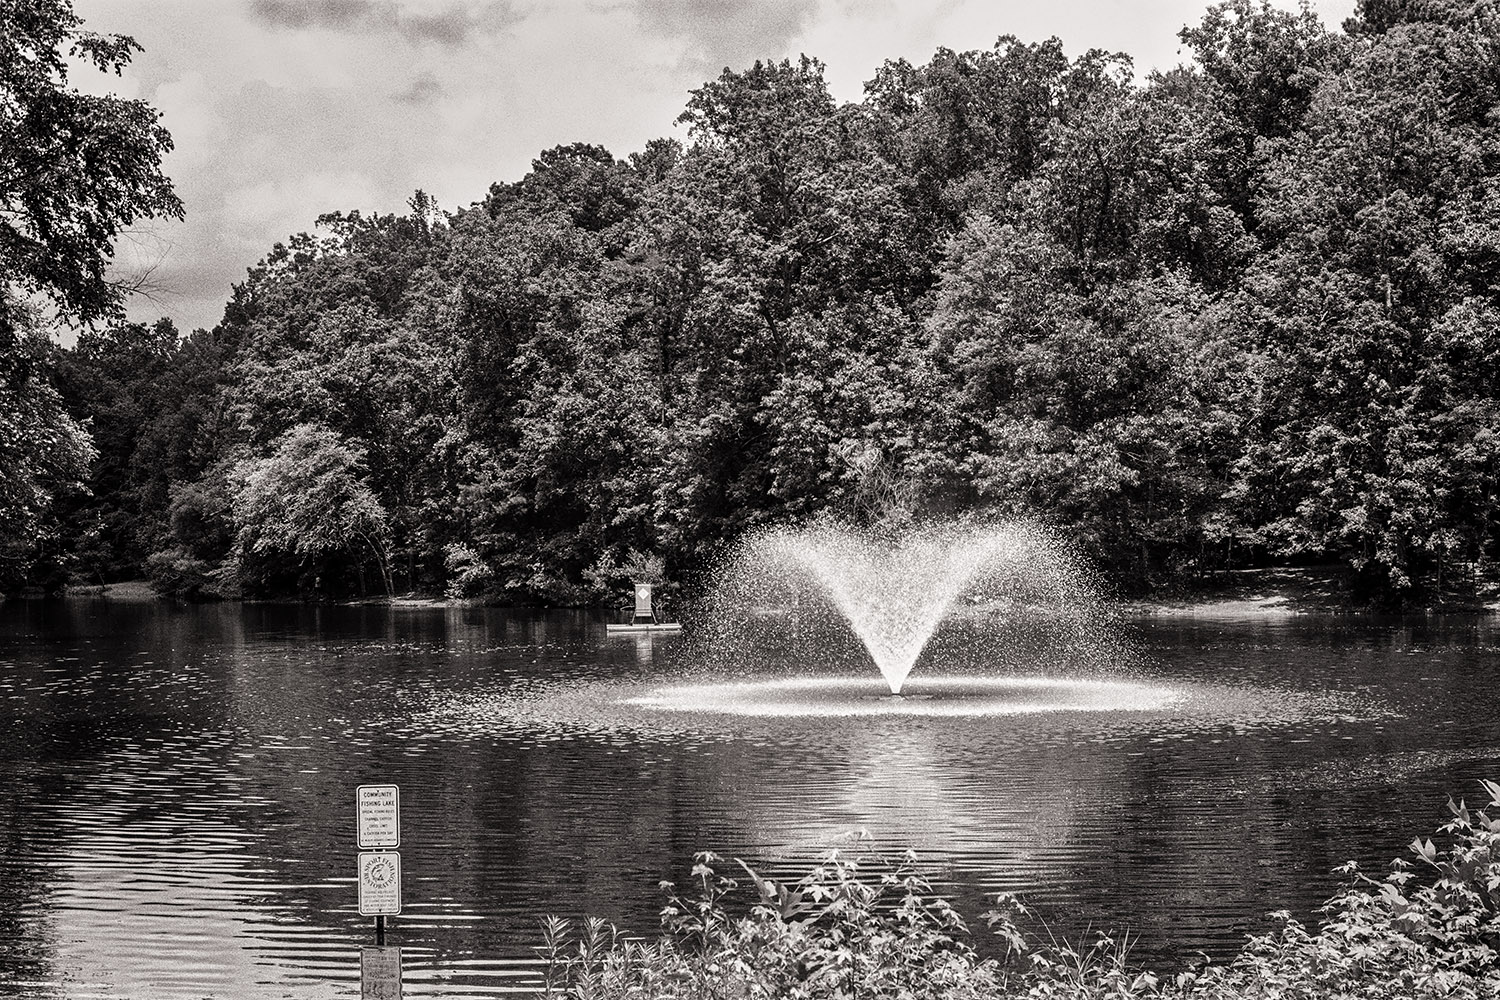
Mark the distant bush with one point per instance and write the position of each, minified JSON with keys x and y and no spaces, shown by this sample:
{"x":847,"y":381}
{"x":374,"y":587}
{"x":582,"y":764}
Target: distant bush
{"x":855,"y":930}
{"x":176,"y":572}
{"x":468,"y":576}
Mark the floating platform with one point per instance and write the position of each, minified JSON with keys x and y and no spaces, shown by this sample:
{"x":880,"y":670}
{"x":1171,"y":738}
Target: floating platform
{"x":636,"y":629}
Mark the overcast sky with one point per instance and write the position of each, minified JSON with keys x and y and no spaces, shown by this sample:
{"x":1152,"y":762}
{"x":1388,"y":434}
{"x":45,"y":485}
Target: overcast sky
{"x":284,"y":109}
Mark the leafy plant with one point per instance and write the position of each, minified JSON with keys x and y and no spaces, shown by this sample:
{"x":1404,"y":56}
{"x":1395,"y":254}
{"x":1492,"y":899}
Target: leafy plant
{"x":468,"y":574}
{"x":644,"y":567}
{"x":873,"y":928}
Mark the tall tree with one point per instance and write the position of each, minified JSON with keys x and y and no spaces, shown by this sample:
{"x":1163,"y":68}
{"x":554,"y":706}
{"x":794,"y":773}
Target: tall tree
{"x":308,"y":508}
{"x":348,"y":328}
{"x":1376,"y":431}
{"x":44,"y":452}
{"x":118,"y":381}
{"x":75,"y":169}
{"x":1263,"y":64}
{"x":967,"y":126}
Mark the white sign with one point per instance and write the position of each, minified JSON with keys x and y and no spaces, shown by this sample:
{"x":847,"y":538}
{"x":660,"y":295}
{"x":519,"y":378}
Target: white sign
{"x":379,"y":883}
{"x":380,"y":973}
{"x":379,"y":811}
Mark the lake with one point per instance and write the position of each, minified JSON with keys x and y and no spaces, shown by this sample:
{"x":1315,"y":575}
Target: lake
{"x":178,"y":817}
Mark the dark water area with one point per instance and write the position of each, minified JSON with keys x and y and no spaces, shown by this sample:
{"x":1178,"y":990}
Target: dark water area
{"x":178,"y":808}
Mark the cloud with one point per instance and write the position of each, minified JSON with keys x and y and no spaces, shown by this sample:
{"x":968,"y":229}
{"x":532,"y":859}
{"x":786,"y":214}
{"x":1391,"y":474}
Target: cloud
{"x":425,"y":89}
{"x":728,"y":32}
{"x":457,"y":24}
{"x":341,"y":15}
{"x":446,"y":23}
{"x":290,"y":203}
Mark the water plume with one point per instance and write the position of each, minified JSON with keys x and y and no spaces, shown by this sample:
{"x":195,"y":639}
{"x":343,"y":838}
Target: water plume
{"x":892,"y":591}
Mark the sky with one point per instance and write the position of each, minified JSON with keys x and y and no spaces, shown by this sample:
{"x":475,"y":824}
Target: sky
{"x":282,"y":110}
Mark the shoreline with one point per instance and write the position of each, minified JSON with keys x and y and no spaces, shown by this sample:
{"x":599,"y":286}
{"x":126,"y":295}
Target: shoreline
{"x":140,"y":592}
{"x":1267,"y":594}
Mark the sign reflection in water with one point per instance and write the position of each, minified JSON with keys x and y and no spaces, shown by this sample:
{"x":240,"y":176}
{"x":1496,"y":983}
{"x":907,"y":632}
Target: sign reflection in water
{"x":380,"y":973}
{"x":177,"y":818}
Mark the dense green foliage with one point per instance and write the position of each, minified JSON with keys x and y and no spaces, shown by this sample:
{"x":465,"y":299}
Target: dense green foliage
{"x":1429,"y":929}
{"x":44,"y":452}
{"x":1242,"y":312}
{"x":75,"y":170}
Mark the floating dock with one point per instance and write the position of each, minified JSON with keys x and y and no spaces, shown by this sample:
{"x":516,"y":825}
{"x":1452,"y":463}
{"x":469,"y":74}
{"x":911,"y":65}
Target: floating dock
{"x":645,"y":618}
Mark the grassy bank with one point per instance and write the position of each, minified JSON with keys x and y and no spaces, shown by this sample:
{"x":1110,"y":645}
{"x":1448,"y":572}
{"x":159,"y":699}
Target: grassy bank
{"x":1429,"y":928}
{"x":128,"y":590}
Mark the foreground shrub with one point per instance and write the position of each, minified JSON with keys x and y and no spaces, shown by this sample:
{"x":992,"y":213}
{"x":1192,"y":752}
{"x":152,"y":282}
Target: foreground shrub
{"x":849,"y":929}
{"x":1426,"y":930}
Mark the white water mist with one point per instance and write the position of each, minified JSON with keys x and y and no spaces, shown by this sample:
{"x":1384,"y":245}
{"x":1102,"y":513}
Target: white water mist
{"x":893,"y":591}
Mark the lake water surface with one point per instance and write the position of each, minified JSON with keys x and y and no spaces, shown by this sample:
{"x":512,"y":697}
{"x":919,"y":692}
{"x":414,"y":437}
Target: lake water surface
{"x":178,"y":819}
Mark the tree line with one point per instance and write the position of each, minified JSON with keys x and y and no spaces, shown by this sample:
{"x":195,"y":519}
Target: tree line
{"x":1241,"y":312}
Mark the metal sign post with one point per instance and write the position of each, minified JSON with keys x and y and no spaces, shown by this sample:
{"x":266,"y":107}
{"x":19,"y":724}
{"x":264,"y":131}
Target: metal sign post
{"x":378,"y":811}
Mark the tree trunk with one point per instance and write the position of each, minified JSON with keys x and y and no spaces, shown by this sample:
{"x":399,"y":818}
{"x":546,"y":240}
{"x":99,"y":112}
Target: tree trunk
{"x":382,"y":559}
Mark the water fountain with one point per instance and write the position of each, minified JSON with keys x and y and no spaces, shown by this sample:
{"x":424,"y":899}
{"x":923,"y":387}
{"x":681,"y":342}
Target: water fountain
{"x":894,"y":590}
{"x":960,"y":619}
{"x":1012,"y":593}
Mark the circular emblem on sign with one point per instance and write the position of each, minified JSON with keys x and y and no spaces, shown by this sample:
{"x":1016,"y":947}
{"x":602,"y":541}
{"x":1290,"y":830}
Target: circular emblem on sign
{"x":381,"y":873}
